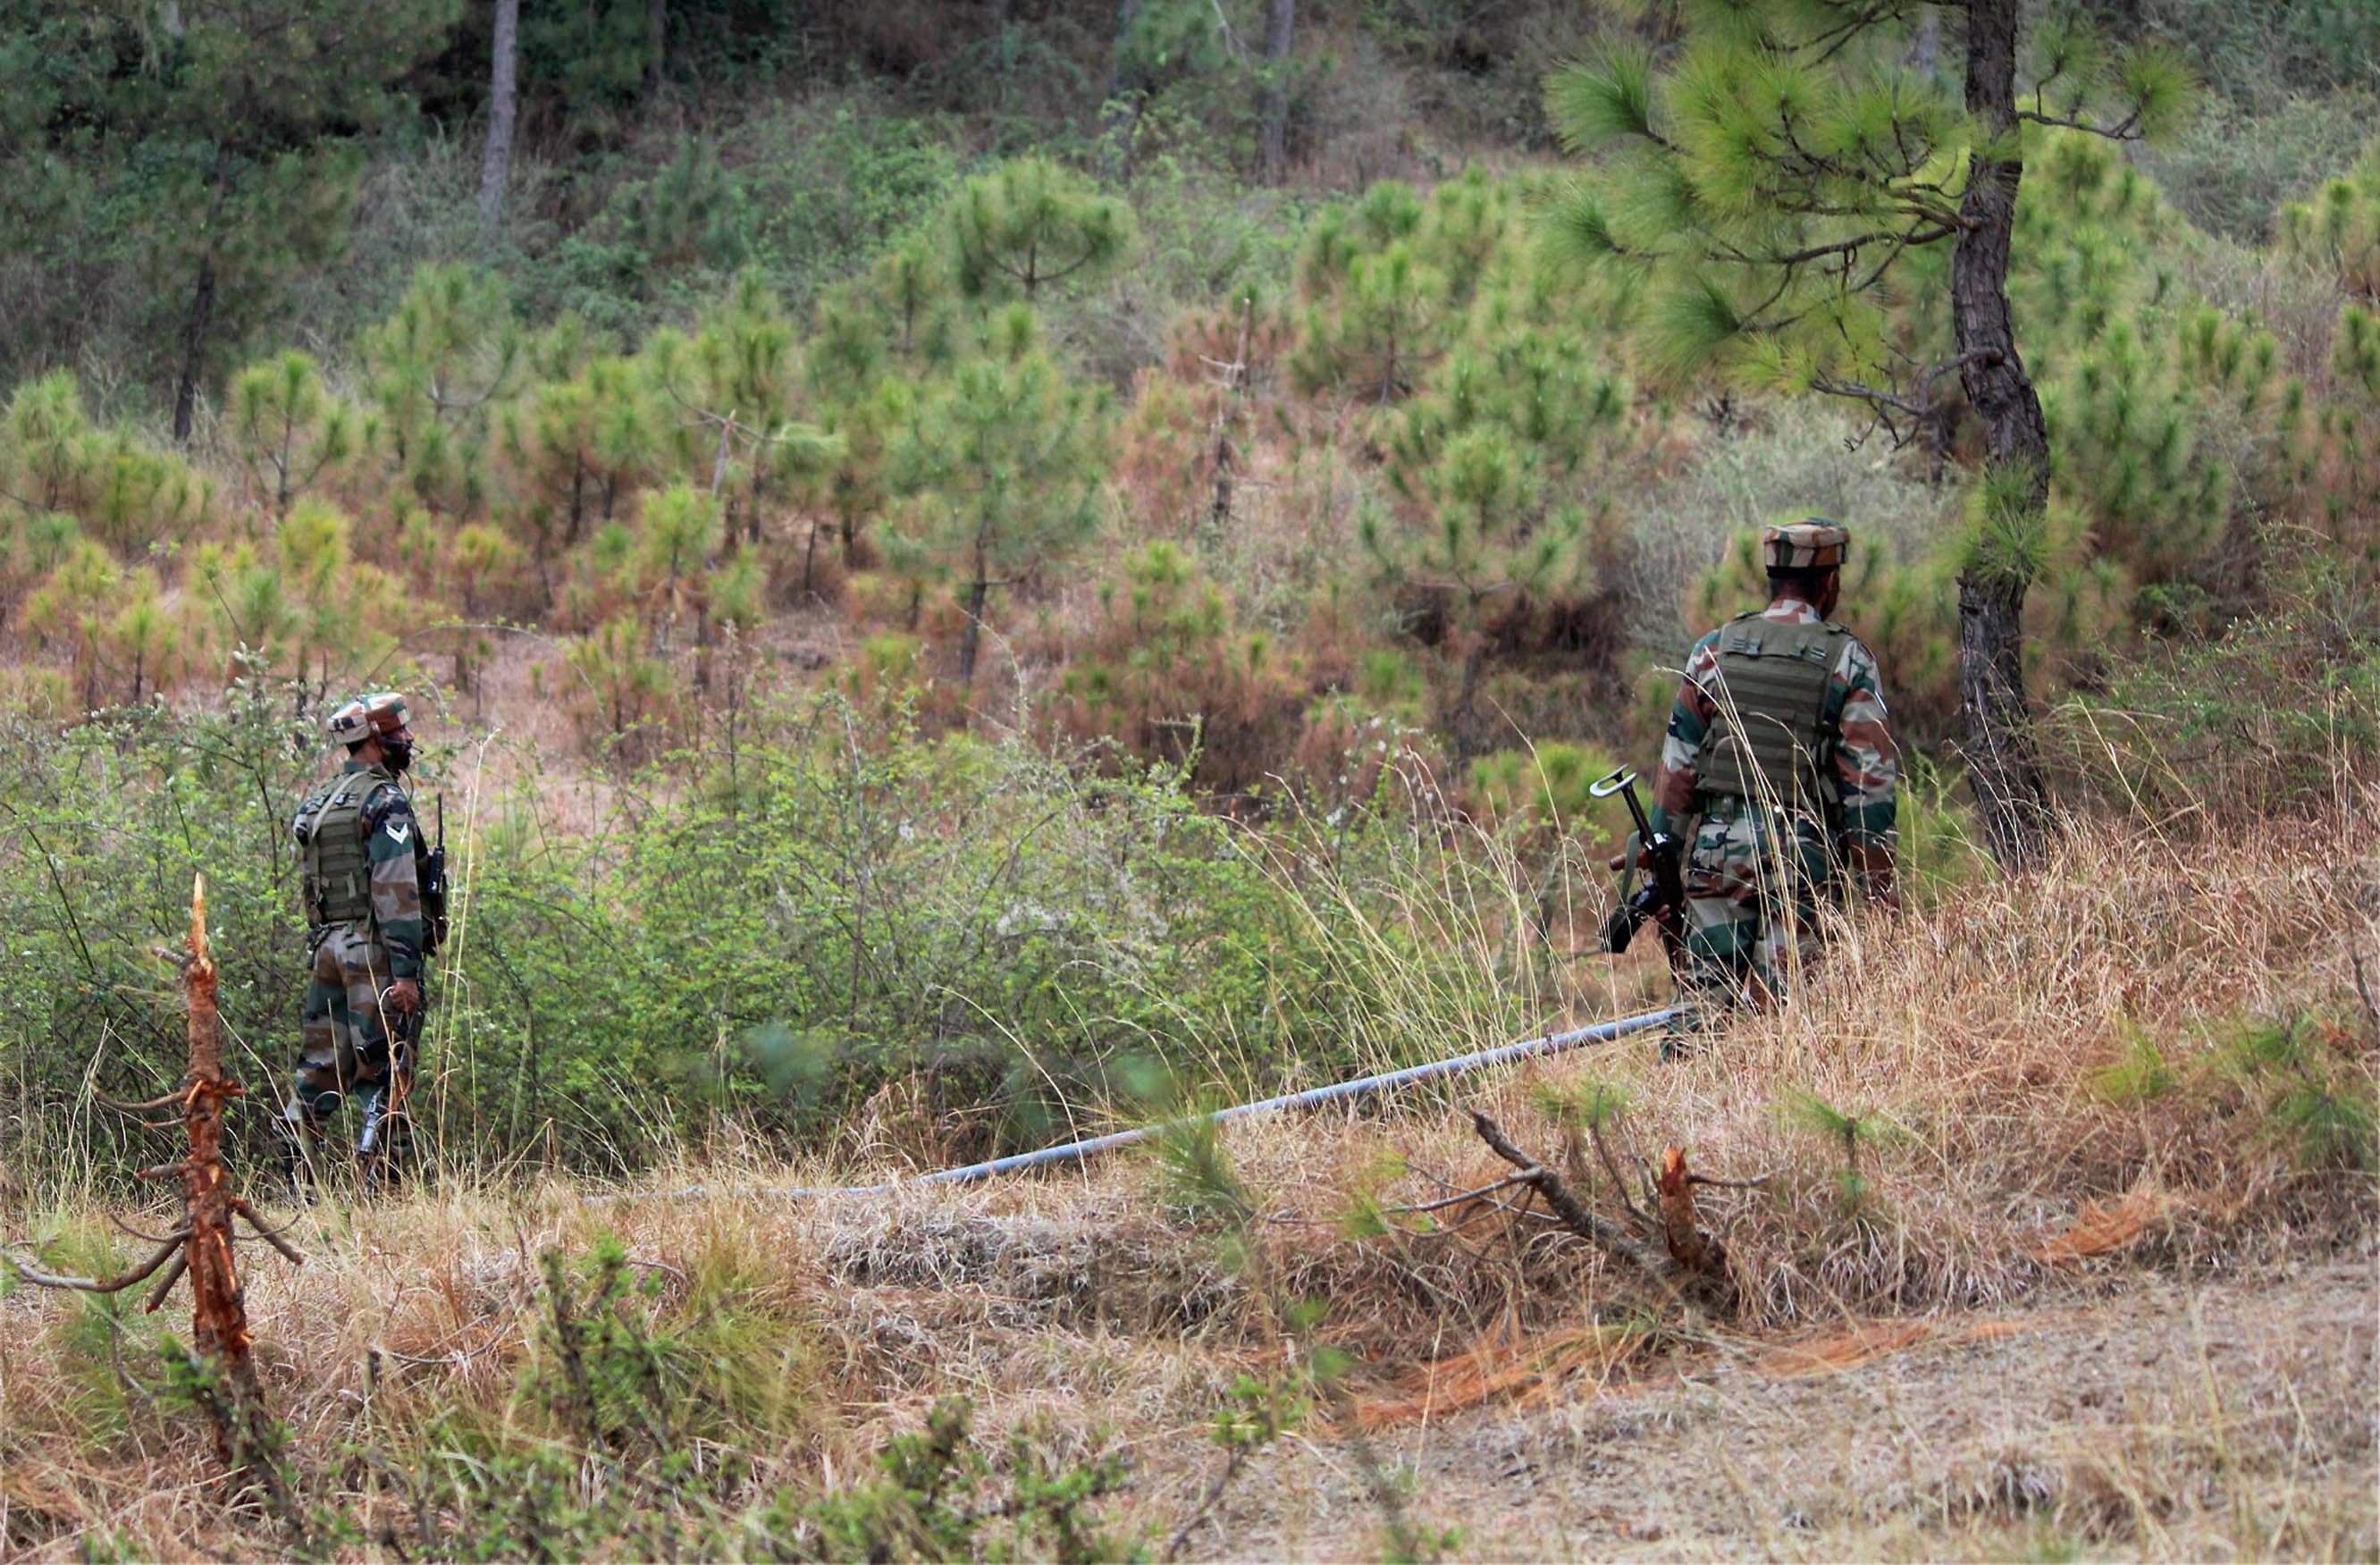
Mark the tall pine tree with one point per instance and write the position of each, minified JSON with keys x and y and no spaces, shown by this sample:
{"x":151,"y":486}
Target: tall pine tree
{"x":1780,"y":169}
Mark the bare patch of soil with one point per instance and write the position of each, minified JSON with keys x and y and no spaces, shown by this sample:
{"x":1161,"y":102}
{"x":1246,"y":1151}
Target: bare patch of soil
{"x":2178,"y":1419}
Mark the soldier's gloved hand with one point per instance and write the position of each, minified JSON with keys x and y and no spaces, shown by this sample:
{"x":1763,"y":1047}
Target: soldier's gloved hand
{"x":404,"y":997}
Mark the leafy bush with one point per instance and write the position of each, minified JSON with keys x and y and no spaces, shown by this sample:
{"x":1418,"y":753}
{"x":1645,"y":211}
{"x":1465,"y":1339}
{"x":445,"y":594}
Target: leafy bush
{"x":779,"y":929}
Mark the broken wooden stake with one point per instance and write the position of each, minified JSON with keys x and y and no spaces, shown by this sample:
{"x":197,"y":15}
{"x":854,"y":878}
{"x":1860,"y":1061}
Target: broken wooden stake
{"x":218,"y":1307}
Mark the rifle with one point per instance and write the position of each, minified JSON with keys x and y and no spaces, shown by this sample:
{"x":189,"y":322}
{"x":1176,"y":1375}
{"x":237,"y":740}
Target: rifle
{"x":434,"y":888}
{"x":1661,"y":898}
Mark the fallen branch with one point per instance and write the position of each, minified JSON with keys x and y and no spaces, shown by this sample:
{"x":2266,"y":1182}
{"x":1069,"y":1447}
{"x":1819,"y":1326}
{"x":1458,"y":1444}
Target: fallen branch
{"x":1691,"y":1282}
{"x":1576,"y":1215}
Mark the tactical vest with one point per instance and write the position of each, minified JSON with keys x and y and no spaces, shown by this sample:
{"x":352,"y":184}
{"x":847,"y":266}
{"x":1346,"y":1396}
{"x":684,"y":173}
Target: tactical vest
{"x":1768,"y":740}
{"x":337,"y":870}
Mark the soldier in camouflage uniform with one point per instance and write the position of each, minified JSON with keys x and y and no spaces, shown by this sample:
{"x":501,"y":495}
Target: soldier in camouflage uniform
{"x":1778,"y":774}
{"x":363,"y":860}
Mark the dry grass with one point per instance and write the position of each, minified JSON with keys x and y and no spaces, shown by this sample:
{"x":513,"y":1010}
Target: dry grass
{"x":1982,"y":1032}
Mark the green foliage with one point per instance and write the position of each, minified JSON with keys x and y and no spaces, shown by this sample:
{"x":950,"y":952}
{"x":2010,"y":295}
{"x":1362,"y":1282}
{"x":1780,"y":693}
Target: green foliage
{"x":2224,"y":170}
{"x":2140,"y":1075}
{"x":1030,"y":224}
{"x":219,"y":165}
{"x":1775,"y":177}
{"x":450,"y":350}
{"x":937,"y":1500}
{"x":1588,"y":1104}
{"x":1170,"y":674}
{"x":2302,"y":1074}
{"x":117,"y":488}
{"x":288,"y":429}
{"x":1003,"y":461}
{"x":2338,"y":228}
{"x":1545,"y":787}
{"x":1850,"y":1131}
{"x":2195,"y":725}
{"x":628,"y":1421}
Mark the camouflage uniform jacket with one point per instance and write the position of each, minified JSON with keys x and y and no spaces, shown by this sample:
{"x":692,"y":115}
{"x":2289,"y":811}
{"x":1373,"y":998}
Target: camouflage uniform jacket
{"x":1866,"y":762}
{"x":392,"y":842}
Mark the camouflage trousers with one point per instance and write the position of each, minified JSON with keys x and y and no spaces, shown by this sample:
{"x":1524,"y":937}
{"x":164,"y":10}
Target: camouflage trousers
{"x":1753,"y":887}
{"x":346,"y":1031}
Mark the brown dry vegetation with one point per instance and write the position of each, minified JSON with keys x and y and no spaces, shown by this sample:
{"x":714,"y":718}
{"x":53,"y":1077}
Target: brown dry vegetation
{"x":2076,"y":1146}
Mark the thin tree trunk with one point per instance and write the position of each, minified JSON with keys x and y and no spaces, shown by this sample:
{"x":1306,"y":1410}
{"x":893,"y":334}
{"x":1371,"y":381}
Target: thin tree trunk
{"x":495,"y":166}
{"x":203,"y":305}
{"x":194,"y":349}
{"x":656,"y":44}
{"x":1280,"y":36}
{"x":978,"y":591}
{"x":1120,"y":105}
{"x":2001,"y":766}
{"x":219,"y":1310}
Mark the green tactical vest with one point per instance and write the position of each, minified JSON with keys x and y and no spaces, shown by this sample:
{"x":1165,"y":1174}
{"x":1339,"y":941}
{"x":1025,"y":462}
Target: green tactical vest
{"x":337,"y":872}
{"x":1768,"y":740}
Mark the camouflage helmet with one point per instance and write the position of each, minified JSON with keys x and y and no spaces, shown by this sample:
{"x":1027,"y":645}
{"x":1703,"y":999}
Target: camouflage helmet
{"x":1814,"y":543}
{"x":376,"y":715}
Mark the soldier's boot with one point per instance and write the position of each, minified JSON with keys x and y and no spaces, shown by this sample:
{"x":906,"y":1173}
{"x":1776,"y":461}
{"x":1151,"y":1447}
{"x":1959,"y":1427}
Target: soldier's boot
{"x":301,"y":1137}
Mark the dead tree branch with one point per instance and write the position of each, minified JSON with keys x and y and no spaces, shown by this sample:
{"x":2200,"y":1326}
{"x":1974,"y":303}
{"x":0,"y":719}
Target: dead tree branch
{"x":1697,"y":1276}
{"x":40,"y":1279}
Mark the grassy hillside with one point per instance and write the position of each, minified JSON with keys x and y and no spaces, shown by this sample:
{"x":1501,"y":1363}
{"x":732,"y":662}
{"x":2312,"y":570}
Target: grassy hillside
{"x":2143,"y":1068}
{"x":961,"y":591}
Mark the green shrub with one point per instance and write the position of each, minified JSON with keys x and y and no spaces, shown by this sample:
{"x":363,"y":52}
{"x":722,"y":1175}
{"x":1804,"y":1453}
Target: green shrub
{"x":2261,"y":720}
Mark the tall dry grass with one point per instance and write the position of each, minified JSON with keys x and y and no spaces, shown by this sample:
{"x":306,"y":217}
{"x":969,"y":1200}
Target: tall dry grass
{"x":2062,"y":1073}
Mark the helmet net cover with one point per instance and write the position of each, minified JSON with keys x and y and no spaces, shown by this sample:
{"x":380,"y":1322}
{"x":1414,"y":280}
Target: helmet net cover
{"x":366,"y":717}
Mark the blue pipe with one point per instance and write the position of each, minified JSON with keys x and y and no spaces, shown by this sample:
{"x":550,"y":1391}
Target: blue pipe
{"x":1364,"y":1086}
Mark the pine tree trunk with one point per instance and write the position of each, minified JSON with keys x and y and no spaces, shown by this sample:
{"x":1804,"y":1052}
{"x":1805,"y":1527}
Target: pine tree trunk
{"x":656,"y":44}
{"x":203,"y":305}
{"x":194,"y":348}
{"x":1466,"y":720}
{"x":970,"y":638}
{"x":1280,"y":36}
{"x":2001,"y":765}
{"x":495,"y":166}
{"x":1120,"y":105}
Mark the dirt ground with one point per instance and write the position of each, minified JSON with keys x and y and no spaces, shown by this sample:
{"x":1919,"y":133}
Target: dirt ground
{"x":2177,"y":1419}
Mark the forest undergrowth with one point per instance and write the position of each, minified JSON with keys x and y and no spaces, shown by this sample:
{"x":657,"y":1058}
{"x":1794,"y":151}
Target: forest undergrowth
{"x":2152,"y":1056}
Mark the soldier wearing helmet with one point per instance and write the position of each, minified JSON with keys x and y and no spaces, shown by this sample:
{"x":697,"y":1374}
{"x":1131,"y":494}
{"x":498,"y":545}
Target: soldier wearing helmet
{"x":362,"y":860}
{"x":1777,"y":772}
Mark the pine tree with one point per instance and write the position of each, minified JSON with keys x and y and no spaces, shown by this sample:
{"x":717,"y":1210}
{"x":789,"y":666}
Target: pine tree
{"x":287,"y":428}
{"x":143,"y":640}
{"x":1781,"y":173}
{"x":1005,"y":460}
{"x":219,"y":138}
{"x":1029,"y":224}
{"x":52,"y":459}
{"x":576,"y":449}
{"x":2338,"y":228}
{"x":73,"y":606}
{"x":436,"y":369}
{"x":1377,"y":313}
{"x":677,"y":538}
{"x":737,"y":386}
{"x":1486,"y":539}
{"x":902,"y":319}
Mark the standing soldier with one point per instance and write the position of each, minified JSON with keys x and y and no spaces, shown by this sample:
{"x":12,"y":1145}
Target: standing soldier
{"x":364,"y":869}
{"x":1778,"y":773}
